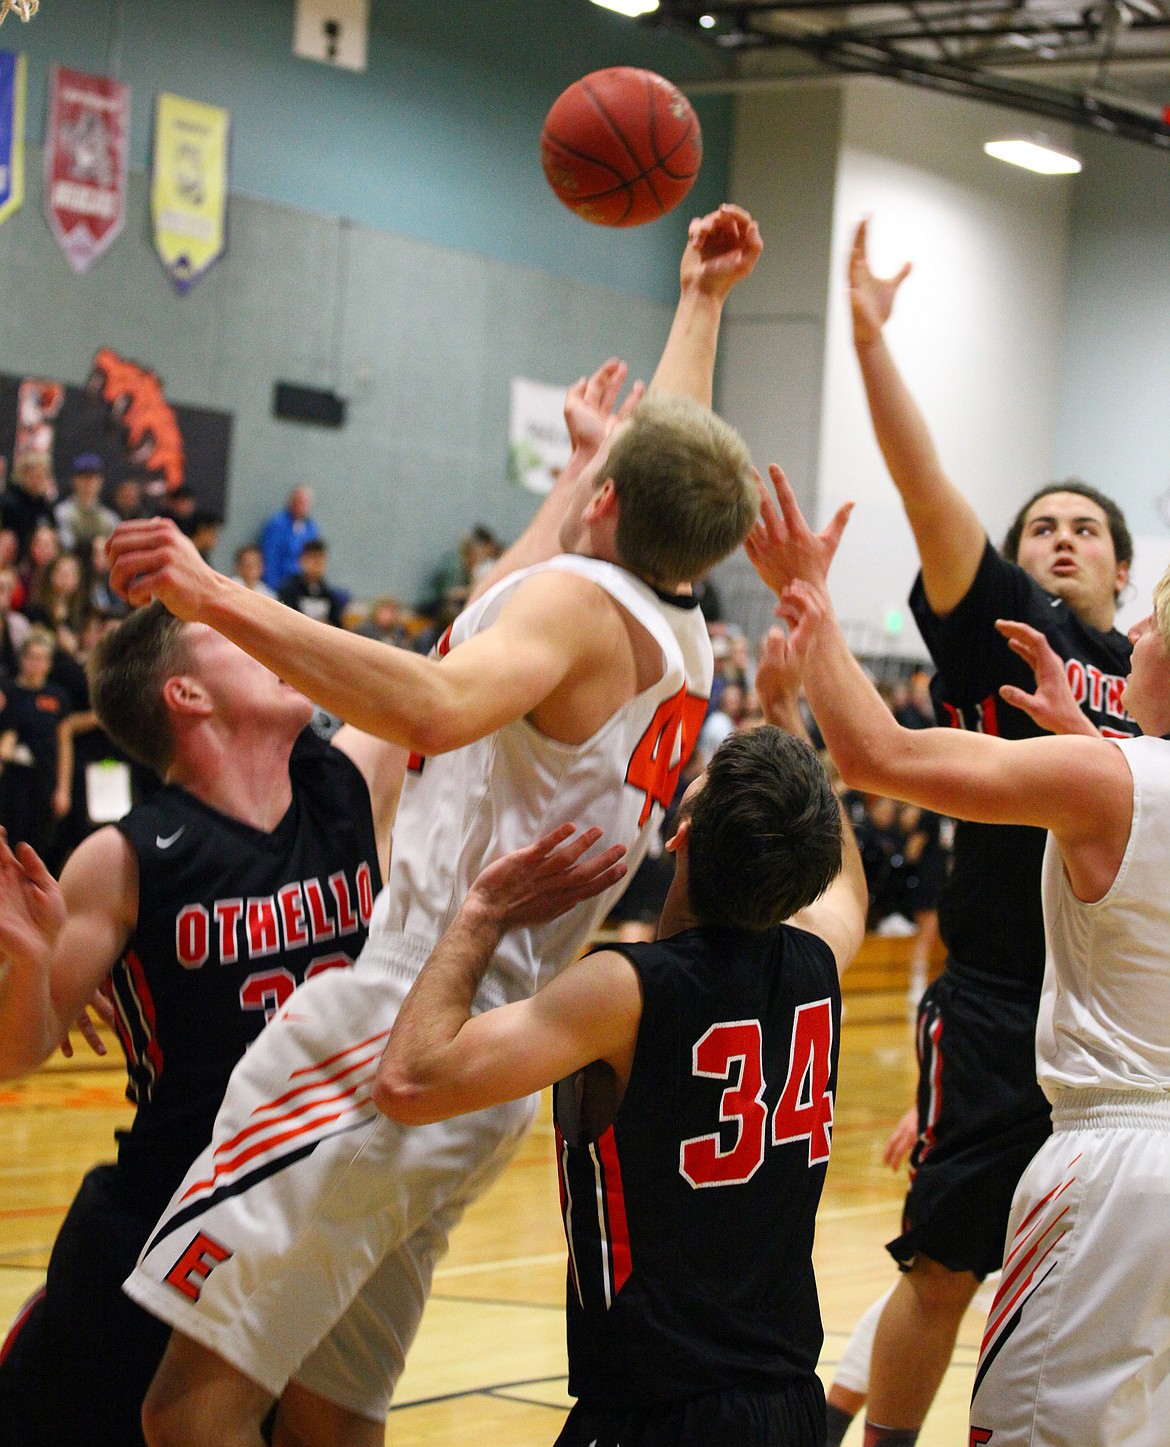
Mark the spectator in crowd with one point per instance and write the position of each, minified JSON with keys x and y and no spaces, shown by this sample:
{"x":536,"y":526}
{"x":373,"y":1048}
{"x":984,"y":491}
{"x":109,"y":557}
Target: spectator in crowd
{"x":308,"y":592}
{"x":30,"y":725}
{"x":203,"y":528}
{"x":284,"y":536}
{"x":27,"y":502}
{"x":249,"y":563}
{"x":81,"y":516}
{"x":39,"y":555}
{"x":126,"y":501}
{"x":14,"y":628}
{"x":181,"y":505}
{"x":916,"y":710}
{"x":58,"y":602}
{"x":385,"y":623}
{"x":101,"y":597}
{"x":458,"y":571}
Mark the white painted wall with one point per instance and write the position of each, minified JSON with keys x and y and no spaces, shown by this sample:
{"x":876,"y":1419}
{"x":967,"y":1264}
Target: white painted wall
{"x":976,"y":330}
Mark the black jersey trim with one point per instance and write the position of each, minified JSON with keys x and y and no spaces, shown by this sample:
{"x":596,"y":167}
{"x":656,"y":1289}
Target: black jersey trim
{"x":245,"y":1183}
{"x":674,"y":600}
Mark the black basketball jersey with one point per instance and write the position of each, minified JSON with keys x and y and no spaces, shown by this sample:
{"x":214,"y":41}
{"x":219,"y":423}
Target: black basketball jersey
{"x":690,"y":1220}
{"x":230,"y":920}
{"x":989,"y":914}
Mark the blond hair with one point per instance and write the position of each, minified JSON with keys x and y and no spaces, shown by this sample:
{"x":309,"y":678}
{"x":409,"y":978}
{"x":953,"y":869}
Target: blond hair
{"x":686,"y":492}
{"x":1162,"y":609}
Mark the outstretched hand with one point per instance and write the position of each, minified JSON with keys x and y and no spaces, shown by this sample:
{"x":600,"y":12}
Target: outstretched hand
{"x":32,"y":907}
{"x":782,"y":547}
{"x":591,"y":410}
{"x":102,"y":1006}
{"x":871,"y":297}
{"x":534,"y":885}
{"x":152,"y":559}
{"x":1052,"y":705}
{"x":722,"y":249}
{"x":902,"y":1139}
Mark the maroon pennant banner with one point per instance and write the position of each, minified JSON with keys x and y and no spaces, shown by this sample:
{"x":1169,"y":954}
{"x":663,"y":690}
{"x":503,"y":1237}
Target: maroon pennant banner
{"x":87,"y":155}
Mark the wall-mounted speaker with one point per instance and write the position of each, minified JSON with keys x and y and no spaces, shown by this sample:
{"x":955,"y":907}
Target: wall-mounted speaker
{"x":308,"y":404}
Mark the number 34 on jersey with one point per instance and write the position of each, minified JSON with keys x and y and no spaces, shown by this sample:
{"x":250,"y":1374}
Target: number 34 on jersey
{"x":733,"y":1051}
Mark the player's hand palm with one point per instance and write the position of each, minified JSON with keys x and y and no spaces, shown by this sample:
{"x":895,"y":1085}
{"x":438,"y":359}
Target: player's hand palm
{"x":32,"y":907}
{"x":782,"y":547}
{"x":722,"y":249}
{"x":534,"y":885}
{"x":591,"y":410}
{"x":871,"y":297}
{"x":1052,"y":705}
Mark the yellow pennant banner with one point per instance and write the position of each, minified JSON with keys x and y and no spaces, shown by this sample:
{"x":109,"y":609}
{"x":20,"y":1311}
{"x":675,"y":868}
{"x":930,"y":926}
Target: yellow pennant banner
{"x":188,"y":198}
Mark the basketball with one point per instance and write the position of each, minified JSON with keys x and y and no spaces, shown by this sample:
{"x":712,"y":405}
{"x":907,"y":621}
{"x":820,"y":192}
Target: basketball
{"x":621,"y":147}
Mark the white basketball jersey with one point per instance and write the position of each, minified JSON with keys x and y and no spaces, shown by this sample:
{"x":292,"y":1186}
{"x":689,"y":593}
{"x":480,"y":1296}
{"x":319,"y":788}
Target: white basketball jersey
{"x":1105,"y":1008}
{"x":463,"y":809}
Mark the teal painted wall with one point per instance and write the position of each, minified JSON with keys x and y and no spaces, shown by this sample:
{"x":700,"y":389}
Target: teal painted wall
{"x":391,"y":236}
{"x":437,"y":139}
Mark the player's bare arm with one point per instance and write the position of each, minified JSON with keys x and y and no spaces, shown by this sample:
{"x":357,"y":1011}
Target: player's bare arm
{"x":383,"y":766}
{"x":554,"y":628}
{"x":949,"y":536}
{"x":838,"y":916}
{"x":442,"y":1061}
{"x":59,"y":941}
{"x":722,"y":250}
{"x":1079,"y":788}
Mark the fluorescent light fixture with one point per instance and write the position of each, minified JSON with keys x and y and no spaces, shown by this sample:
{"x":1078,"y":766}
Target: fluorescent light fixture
{"x":632,"y":8}
{"x":1034,"y":154}
{"x":707,"y":22}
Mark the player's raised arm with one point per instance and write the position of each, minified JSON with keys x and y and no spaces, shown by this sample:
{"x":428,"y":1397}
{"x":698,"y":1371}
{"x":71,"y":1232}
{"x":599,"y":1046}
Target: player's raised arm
{"x":440,"y":1061}
{"x":552,"y":626}
{"x":722,"y":249}
{"x":1077,"y":787}
{"x":58,"y":942}
{"x":947,"y":530}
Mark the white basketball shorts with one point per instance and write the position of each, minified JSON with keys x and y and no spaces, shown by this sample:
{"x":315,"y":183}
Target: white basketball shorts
{"x":1077,"y":1347}
{"x":302,"y":1241}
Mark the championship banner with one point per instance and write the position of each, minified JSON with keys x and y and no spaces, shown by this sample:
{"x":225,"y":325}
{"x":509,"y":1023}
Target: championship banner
{"x":87,"y":161}
{"x":11,"y":133}
{"x":188,"y":197}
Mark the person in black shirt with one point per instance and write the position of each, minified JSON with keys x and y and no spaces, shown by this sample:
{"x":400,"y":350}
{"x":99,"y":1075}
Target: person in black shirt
{"x":308,"y":592}
{"x":692,"y":1313}
{"x":982,"y":1116}
{"x":30,"y":745}
{"x":254,"y":866}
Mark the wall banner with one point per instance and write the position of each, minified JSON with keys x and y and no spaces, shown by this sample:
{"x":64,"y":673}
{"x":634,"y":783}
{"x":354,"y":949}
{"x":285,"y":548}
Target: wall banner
{"x":11,"y":133}
{"x":538,"y":439}
{"x":87,"y":159}
{"x":189,"y":189}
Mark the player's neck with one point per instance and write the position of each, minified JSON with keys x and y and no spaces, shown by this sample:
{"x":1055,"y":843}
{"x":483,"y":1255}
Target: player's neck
{"x":677,"y":914}
{"x":244,"y":776}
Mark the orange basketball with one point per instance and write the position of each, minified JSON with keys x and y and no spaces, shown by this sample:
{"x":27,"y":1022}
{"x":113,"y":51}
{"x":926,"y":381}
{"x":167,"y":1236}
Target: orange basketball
{"x":621,"y":146}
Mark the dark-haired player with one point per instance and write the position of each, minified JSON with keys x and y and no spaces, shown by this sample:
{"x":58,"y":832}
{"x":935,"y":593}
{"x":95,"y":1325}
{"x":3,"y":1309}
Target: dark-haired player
{"x":253,"y":868}
{"x":695,"y":1104}
{"x":982,"y":1116}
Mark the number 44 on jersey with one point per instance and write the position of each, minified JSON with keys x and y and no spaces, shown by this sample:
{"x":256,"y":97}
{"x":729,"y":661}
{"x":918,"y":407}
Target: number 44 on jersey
{"x":804,"y":1111}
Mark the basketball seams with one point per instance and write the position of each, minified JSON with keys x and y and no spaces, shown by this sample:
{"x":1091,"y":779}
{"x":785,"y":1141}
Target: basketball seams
{"x":623,"y":116}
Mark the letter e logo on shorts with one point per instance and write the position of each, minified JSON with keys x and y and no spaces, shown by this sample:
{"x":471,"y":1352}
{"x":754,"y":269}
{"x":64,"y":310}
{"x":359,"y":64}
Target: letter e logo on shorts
{"x":195,"y":1265}
{"x":980,"y":1435}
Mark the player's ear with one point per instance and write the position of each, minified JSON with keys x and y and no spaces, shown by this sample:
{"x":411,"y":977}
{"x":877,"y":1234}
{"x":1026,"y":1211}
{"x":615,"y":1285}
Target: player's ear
{"x":602,"y":502}
{"x":184,"y":694}
{"x":679,"y":839}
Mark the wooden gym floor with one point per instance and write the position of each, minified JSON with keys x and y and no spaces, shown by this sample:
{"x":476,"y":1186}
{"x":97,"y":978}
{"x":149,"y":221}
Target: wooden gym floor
{"x":489,"y":1364}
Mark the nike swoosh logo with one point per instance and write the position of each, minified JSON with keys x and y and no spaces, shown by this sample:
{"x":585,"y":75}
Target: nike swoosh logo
{"x":170,"y":839}
{"x":1054,"y":602}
